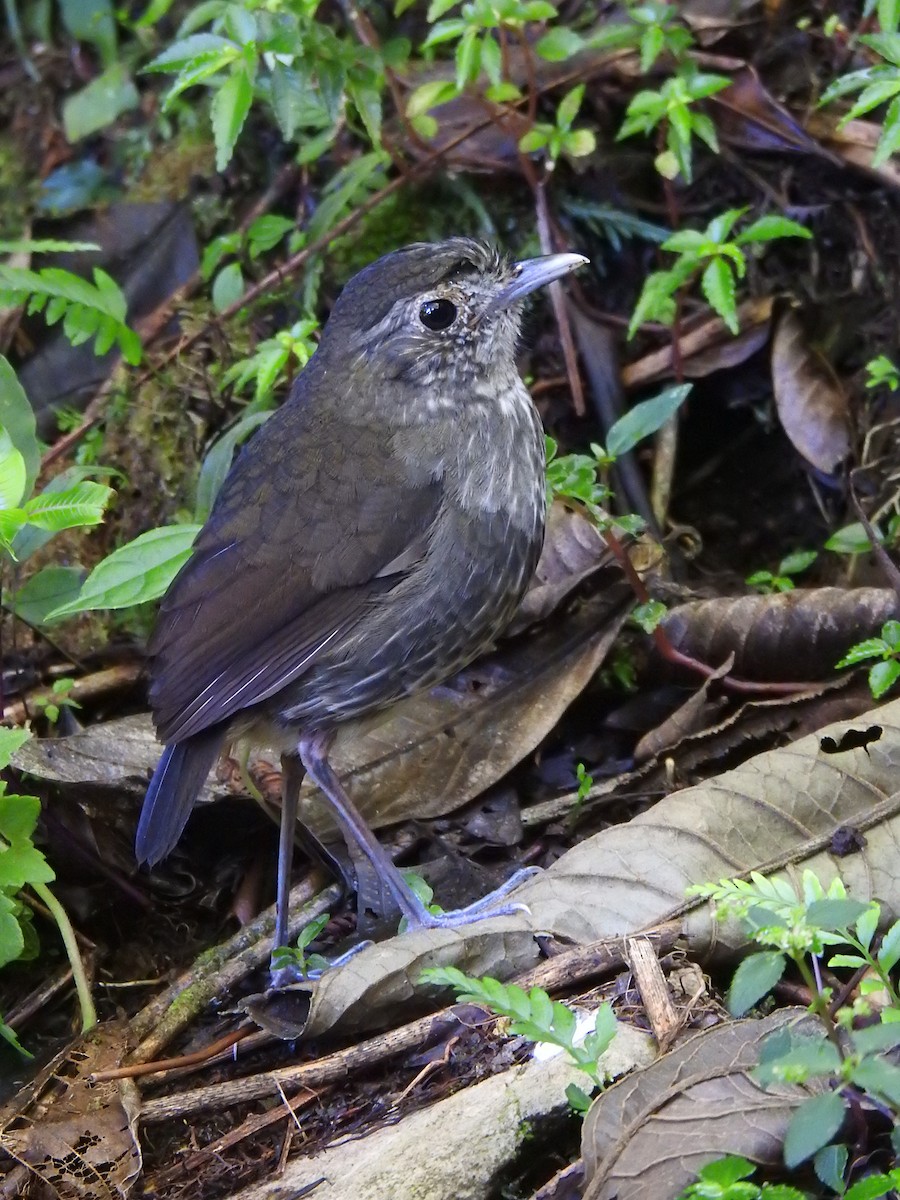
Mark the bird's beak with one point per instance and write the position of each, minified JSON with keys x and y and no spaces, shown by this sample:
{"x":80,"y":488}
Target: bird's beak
{"x":534,"y":273}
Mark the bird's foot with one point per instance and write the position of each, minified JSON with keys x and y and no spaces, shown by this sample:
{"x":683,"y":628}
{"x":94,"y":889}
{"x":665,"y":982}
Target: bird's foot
{"x":418,"y":916}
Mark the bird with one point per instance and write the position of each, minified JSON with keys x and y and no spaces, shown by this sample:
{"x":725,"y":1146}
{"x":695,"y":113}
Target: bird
{"x":373,"y":537}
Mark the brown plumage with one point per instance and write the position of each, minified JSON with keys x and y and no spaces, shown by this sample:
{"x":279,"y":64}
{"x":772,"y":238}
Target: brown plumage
{"x":374,"y":537}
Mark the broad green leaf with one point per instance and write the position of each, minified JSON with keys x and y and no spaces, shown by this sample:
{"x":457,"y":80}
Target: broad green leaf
{"x":92,"y":21}
{"x":644,"y":419}
{"x":770,"y":227}
{"x":558,"y":44}
{"x":535,"y":139}
{"x":871,"y":1188}
{"x":875,"y":1038}
{"x":879,"y":1076}
{"x":140,"y":571}
{"x":99,"y":103}
{"x":13,"y":473}
{"x":812,"y":1126}
{"x":888,"y":14}
{"x":835,"y":914}
{"x":829,"y":1165}
{"x":429,"y":96}
{"x":228,"y":287}
{"x":468,"y":59}
{"x":217,"y":462}
{"x":31,"y":538}
{"x":229,"y":109}
{"x":17,"y":418}
{"x":885,"y":44}
{"x":883,"y":676}
{"x":851,"y":539}
{"x":580,"y":142}
{"x":754,"y":978}
{"x":50,"y":588}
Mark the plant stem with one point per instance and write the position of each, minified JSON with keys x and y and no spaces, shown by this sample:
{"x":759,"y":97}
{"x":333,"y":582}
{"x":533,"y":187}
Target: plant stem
{"x":82,"y":987}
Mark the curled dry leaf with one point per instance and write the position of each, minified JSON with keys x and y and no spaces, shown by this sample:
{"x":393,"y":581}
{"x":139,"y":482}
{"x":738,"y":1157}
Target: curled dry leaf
{"x":777,"y":813}
{"x":812,"y":404}
{"x":706,"y":347}
{"x":647,"y":1138}
{"x":77,"y":1137}
{"x":748,"y":116}
{"x":854,"y":143}
{"x":796,"y":635}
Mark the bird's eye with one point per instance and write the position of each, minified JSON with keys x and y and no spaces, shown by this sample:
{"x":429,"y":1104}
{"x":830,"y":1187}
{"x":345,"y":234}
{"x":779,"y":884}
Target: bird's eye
{"x":437,"y":314}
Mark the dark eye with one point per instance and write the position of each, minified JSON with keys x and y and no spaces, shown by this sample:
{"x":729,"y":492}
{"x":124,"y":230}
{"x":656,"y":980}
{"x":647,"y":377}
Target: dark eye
{"x":437,"y":314}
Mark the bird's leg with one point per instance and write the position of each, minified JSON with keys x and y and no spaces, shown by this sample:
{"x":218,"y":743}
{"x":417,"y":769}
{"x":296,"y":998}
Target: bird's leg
{"x":292,"y":772}
{"x":313,"y":751}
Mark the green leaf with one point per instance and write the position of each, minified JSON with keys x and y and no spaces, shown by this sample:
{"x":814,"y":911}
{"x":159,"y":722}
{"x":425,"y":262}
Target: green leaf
{"x":851,"y":539}
{"x":812,"y":1126}
{"x":580,"y":142}
{"x":535,"y":139}
{"x":645,"y":419}
{"x":558,"y":44}
{"x":192,"y":50}
{"x":17,"y":418}
{"x":11,"y":740}
{"x":12,"y":473}
{"x":20,"y":861}
{"x":798,"y":562}
{"x":80,"y":505}
{"x":766,"y":229}
{"x":871,"y":1188}
{"x":835,"y":913}
{"x":569,"y":106}
{"x":429,"y":96}
{"x":12,"y":941}
{"x":875,"y":1038}
{"x":883,"y":676}
{"x":217,"y":462}
{"x":230,"y":106}
{"x":139,"y":571}
{"x":885,"y":44}
{"x":228,"y":287}
{"x":870,"y":648}
{"x":92,"y":21}
{"x":468,"y":59}
{"x":889,"y":951}
{"x":879,"y":1076}
{"x":718,"y":285}
{"x":50,"y":588}
{"x":754,"y":978}
{"x":889,"y":142}
{"x":829,"y":1164}
{"x":99,"y":103}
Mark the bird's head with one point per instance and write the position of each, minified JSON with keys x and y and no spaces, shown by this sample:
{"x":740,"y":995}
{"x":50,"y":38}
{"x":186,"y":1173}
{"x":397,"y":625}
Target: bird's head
{"x":442,"y":316}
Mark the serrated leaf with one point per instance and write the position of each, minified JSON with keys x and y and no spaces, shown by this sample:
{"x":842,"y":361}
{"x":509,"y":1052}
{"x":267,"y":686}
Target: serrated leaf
{"x":229,"y":109}
{"x":82,"y":504}
{"x":889,"y":951}
{"x":20,"y":861}
{"x":812,"y":1126}
{"x":717,"y":282}
{"x":191,"y":50}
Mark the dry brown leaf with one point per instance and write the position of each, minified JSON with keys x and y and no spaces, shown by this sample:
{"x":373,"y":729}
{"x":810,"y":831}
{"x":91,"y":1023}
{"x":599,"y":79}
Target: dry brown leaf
{"x":76,"y":1137}
{"x":647,"y":1137}
{"x":812,"y":404}
{"x":777,"y":813}
{"x":796,"y":635}
{"x":854,"y":143}
{"x":706,"y":347}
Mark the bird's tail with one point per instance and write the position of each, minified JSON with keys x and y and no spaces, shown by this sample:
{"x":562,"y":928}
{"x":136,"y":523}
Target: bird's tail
{"x":175,"y":785}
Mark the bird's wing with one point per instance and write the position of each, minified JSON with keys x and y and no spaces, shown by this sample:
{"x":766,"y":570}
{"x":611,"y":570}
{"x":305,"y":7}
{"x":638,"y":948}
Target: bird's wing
{"x":287,"y":563}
